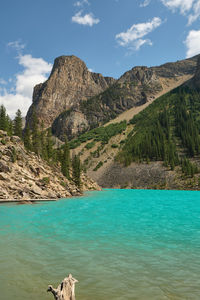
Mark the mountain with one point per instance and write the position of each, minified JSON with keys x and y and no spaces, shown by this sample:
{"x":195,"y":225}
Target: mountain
{"x":133,"y":89}
{"x":74,"y":100}
{"x":140,"y":131}
{"x":69,"y":83}
{"x":158,"y":148}
{"x":25,"y":176}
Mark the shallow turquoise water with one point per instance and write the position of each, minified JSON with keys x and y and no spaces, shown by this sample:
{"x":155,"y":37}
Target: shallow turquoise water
{"x":119,"y":244}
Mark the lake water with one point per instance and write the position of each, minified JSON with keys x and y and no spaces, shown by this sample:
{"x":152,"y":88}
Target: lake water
{"x":119,"y":244}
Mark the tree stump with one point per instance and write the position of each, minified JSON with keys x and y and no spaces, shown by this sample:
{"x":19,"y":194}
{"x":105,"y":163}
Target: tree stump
{"x":65,"y":290}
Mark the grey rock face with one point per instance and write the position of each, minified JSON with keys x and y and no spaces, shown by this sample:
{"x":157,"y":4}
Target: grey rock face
{"x":69,"y":83}
{"x":4,"y":167}
{"x":70,"y":123}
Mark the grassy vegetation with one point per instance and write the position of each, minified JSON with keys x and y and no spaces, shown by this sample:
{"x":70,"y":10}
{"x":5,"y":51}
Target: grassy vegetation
{"x":101,"y":134}
{"x":90,"y":145}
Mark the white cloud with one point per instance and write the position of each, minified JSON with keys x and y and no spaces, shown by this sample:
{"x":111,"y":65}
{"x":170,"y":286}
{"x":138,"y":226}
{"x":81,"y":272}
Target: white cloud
{"x":145,"y":3}
{"x":81,"y":3}
{"x":188,"y":8}
{"x":195,"y":14}
{"x":17,"y":45}
{"x":183,"y":5}
{"x":133,"y":37}
{"x":192,"y":43}
{"x":87,"y":19}
{"x":20,"y":95}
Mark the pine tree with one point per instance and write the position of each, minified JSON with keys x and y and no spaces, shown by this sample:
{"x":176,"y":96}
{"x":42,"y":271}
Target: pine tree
{"x":3,"y":119}
{"x":27,"y":138}
{"x":18,"y":124}
{"x":49,"y":145}
{"x":65,"y":159}
{"x":36,"y":136}
{"x":43,"y":142}
{"x":9,"y":126}
{"x":76,"y":170}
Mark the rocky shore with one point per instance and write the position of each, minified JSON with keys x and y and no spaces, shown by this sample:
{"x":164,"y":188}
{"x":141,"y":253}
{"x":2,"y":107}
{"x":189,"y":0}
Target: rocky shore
{"x":25,"y":176}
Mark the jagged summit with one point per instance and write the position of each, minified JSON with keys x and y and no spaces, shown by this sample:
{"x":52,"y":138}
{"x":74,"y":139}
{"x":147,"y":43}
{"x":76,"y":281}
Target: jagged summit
{"x":69,"y":83}
{"x":138,"y":74}
{"x":68,"y":63}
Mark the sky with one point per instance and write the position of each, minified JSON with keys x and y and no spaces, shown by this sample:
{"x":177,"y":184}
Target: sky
{"x":110,"y":36}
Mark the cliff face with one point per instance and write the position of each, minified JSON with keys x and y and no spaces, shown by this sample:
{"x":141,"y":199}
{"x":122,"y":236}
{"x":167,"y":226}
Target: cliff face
{"x":134,"y":88}
{"x":25,"y":176}
{"x":74,"y":100}
{"x":69,"y":83}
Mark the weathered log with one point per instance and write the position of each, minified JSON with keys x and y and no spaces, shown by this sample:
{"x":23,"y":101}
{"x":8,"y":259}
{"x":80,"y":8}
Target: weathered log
{"x":65,"y":290}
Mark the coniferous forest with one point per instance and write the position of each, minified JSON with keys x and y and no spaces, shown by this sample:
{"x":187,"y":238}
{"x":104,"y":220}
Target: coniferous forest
{"x":168,"y":130}
{"x":40,"y":141}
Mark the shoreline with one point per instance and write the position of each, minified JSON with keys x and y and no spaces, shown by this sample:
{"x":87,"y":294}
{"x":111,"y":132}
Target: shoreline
{"x":31,"y":201}
{"x":26,"y":201}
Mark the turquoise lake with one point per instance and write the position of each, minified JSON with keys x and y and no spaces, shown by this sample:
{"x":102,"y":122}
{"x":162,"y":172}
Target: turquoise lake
{"x":119,"y":244}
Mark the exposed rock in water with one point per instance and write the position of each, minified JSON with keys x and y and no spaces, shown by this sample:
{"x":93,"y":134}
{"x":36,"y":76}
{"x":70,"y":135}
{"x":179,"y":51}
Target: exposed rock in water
{"x":25,"y":176}
{"x":69,"y":83}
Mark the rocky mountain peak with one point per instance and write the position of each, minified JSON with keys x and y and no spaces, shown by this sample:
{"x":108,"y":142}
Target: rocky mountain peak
{"x":69,"y":83}
{"x":69,"y":67}
{"x":138,"y":74}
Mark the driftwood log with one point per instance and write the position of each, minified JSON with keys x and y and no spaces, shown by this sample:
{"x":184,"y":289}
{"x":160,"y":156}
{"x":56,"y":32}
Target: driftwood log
{"x":65,"y":290}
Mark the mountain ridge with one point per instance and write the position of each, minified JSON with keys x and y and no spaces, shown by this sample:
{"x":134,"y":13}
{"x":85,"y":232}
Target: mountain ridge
{"x":74,"y":99}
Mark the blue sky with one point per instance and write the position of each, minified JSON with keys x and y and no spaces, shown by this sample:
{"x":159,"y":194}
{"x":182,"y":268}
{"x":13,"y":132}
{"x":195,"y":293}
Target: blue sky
{"x":111,"y":36}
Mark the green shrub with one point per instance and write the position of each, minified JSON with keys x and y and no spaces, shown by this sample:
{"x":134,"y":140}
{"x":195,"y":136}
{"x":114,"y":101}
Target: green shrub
{"x":45,"y":180}
{"x":13,"y":156}
{"x":114,"y":146}
{"x":99,"y":165}
{"x":3,"y":142}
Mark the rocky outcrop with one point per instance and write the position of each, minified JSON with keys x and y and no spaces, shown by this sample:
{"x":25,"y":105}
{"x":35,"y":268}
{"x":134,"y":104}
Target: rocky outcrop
{"x":25,"y":176}
{"x":179,"y":68}
{"x":70,"y":82}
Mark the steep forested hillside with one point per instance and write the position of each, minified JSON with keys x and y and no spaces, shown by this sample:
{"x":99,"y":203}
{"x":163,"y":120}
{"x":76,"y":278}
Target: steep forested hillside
{"x":168,"y":130}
